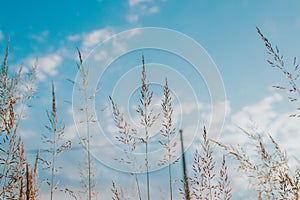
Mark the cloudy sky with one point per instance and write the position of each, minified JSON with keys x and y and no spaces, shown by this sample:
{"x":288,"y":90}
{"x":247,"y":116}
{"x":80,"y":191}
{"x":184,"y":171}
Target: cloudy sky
{"x":225,"y":31}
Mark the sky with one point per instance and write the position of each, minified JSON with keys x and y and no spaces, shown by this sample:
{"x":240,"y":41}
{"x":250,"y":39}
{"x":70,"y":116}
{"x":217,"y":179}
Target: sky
{"x":231,"y":51}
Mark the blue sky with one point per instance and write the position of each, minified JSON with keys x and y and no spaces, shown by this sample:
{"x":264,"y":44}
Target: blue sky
{"x":52,"y":30}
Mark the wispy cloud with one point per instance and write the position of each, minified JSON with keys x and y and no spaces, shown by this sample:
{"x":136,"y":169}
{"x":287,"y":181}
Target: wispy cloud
{"x":73,"y":38}
{"x":262,"y":112}
{"x":133,"y":3}
{"x":90,"y":39}
{"x":47,"y":65}
{"x":40,"y":37}
{"x":87,"y":41}
{"x":264,"y":117}
{"x":132,"y":18}
{"x":93,"y":38}
{"x":154,"y":9}
{"x":138,"y":8}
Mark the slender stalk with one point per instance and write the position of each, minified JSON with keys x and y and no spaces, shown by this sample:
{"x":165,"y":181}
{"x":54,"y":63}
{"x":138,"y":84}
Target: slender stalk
{"x":185,"y":176}
{"x":127,"y":138}
{"x":170,"y":179}
{"x":84,"y":73}
{"x":53,"y":167}
{"x":146,"y":102}
{"x":13,"y":159}
{"x":147,"y":119}
{"x":88,"y":148}
{"x":167,"y":131}
{"x":56,"y":143}
{"x":138,"y":186}
{"x":147,"y":165}
{"x":29,"y":182}
{"x":53,"y":113}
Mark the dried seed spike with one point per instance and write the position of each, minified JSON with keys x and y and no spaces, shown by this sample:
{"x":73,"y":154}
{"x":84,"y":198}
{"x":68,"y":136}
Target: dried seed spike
{"x":79,"y":55}
{"x":6,"y":57}
{"x":29,"y":181}
{"x":36,"y":163}
{"x":54,"y":111}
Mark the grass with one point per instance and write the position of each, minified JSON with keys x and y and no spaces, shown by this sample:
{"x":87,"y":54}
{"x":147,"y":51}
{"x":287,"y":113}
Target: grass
{"x":205,"y":182}
{"x":13,"y":164}
{"x":147,"y":118}
{"x":167,"y":132}
{"x":84,"y":73}
{"x":127,"y":137}
{"x":268,"y":169}
{"x":56,"y":142}
{"x":290,"y":73}
{"x":186,"y":185}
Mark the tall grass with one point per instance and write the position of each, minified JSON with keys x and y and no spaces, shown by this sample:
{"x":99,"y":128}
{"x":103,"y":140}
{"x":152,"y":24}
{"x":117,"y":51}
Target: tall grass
{"x":127,"y":137}
{"x":87,"y":173}
{"x":268,"y":170}
{"x":290,"y":73}
{"x":15,"y":90}
{"x":205,"y":184}
{"x":56,"y":142}
{"x":117,"y":193}
{"x":167,"y":132}
{"x":186,"y":185}
{"x":147,"y":118}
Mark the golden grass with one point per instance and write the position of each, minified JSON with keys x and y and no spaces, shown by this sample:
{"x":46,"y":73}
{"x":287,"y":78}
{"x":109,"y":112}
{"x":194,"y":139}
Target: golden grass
{"x":269,"y":172}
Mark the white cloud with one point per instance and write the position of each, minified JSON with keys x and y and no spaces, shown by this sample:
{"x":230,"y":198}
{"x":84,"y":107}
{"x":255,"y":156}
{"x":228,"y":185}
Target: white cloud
{"x":40,"y":37}
{"x":133,"y":3}
{"x":47,"y":65}
{"x":90,"y":39}
{"x":262,"y":113}
{"x":119,"y":46}
{"x":140,"y":8}
{"x":133,"y":33}
{"x":101,"y":55}
{"x":154,"y":9}
{"x":71,"y":132}
{"x":73,"y":38}
{"x":132,"y":18}
{"x":265,"y":118}
{"x":93,"y":38}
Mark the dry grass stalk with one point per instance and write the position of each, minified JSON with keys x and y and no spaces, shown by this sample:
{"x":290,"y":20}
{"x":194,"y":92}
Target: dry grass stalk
{"x":291,"y":75}
{"x":117,"y":193}
{"x":127,"y":137}
{"x":70,"y":193}
{"x":15,"y":91}
{"x":148,"y":118}
{"x":88,"y":96}
{"x":127,"y":134}
{"x":224,"y":189}
{"x":56,"y":143}
{"x":29,"y":182}
{"x":204,"y":183}
{"x":268,"y":170}
{"x":29,"y":188}
{"x":186,"y":185}
{"x":21,"y":193}
{"x":167,"y":131}
{"x":203,"y":168}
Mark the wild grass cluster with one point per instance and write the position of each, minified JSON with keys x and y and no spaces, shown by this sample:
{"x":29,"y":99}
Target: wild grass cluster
{"x":207,"y":177}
